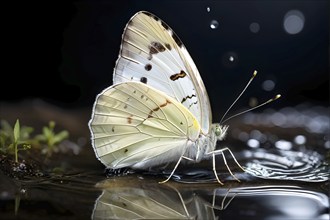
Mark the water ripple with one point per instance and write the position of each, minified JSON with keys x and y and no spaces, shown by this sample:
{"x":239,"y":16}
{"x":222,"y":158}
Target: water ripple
{"x":287,"y":165}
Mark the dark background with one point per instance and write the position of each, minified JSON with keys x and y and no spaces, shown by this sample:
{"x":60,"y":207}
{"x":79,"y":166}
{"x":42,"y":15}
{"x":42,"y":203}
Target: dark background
{"x":64,"y":53}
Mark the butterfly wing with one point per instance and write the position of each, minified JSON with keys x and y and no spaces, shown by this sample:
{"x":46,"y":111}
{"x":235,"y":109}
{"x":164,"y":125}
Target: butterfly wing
{"x":152,"y":53}
{"x":135,"y":125}
{"x":133,"y":200}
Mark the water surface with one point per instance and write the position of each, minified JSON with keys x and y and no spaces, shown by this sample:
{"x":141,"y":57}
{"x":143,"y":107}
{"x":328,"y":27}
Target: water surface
{"x":286,"y":177}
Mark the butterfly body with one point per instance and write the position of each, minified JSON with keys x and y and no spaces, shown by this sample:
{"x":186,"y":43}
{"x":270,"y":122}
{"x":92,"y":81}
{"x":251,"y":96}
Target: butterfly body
{"x":157,"y":110}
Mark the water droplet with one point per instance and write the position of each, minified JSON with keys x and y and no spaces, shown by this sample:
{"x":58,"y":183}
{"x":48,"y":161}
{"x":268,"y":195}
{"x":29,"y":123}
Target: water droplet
{"x":254,"y":27}
{"x":208,"y":9}
{"x":300,"y":139}
{"x":230,"y":59}
{"x":214,"y":24}
{"x":293,"y":22}
{"x":268,"y":85}
{"x":253,"y":143}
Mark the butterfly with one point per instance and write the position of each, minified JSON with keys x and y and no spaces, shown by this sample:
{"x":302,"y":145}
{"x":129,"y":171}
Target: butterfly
{"x":157,"y":111}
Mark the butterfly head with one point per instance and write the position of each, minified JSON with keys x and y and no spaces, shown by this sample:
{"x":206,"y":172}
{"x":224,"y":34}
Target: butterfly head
{"x":220,"y":131}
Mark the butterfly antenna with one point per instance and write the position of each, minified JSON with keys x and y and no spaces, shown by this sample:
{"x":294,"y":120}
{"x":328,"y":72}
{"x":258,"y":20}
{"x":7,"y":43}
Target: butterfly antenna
{"x":247,"y":85}
{"x":251,"y":109}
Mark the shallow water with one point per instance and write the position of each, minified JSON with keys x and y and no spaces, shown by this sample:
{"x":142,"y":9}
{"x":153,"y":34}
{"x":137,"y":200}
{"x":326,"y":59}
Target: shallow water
{"x":287,"y":177}
{"x":153,"y":201}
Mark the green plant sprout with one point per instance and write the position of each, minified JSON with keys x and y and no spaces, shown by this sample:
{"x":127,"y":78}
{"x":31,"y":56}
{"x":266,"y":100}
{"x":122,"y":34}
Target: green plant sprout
{"x":17,"y":138}
{"x":14,"y":139}
{"x":50,"y":139}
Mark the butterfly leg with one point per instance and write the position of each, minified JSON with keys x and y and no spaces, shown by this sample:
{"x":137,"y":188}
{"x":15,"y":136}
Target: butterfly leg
{"x":175,"y":167}
{"x":214,"y":169}
{"x":224,"y":204}
{"x":231,"y":153}
{"x":181,"y":199}
{"x":217,"y":152}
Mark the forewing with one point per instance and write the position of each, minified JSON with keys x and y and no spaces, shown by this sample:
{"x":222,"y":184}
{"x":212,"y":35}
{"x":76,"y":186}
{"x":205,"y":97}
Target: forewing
{"x":153,"y":54}
{"x":132,"y":122}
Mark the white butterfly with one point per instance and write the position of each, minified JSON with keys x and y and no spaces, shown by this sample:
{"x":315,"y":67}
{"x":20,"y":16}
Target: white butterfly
{"x":158,"y":110}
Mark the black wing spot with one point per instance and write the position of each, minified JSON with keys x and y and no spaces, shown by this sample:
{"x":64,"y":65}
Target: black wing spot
{"x":125,"y":151}
{"x":177,"y":39}
{"x":148,"y":67}
{"x":151,"y":15}
{"x":113,"y":129}
{"x":156,"y":47}
{"x":194,"y":103}
{"x":143,"y":80}
{"x":187,"y":97}
{"x":147,"y":13}
{"x":165,"y":25}
{"x":168,"y":46}
{"x":176,"y":76}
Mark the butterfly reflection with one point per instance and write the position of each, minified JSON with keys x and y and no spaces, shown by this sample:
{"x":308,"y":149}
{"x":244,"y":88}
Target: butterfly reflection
{"x":128,"y":198}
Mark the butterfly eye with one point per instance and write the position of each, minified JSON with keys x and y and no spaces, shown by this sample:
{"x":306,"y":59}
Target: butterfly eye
{"x":218,"y":130}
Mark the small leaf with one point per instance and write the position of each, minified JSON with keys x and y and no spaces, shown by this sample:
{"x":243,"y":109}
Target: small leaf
{"x":5,"y":127}
{"x":47,"y":132}
{"x":51,"y":125}
{"x":16,"y":131}
{"x":61,"y":136}
{"x":40,"y":137}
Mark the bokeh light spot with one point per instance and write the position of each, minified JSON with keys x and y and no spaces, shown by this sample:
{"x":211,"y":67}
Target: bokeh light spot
{"x":300,"y":139}
{"x":293,"y":22}
{"x":230,"y":59}
{"x":283,"y":145}
{"x":214,"y":24}
{"x":253,"y":143}
{"x":268,"y":85}
{"x":254,"y":27}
